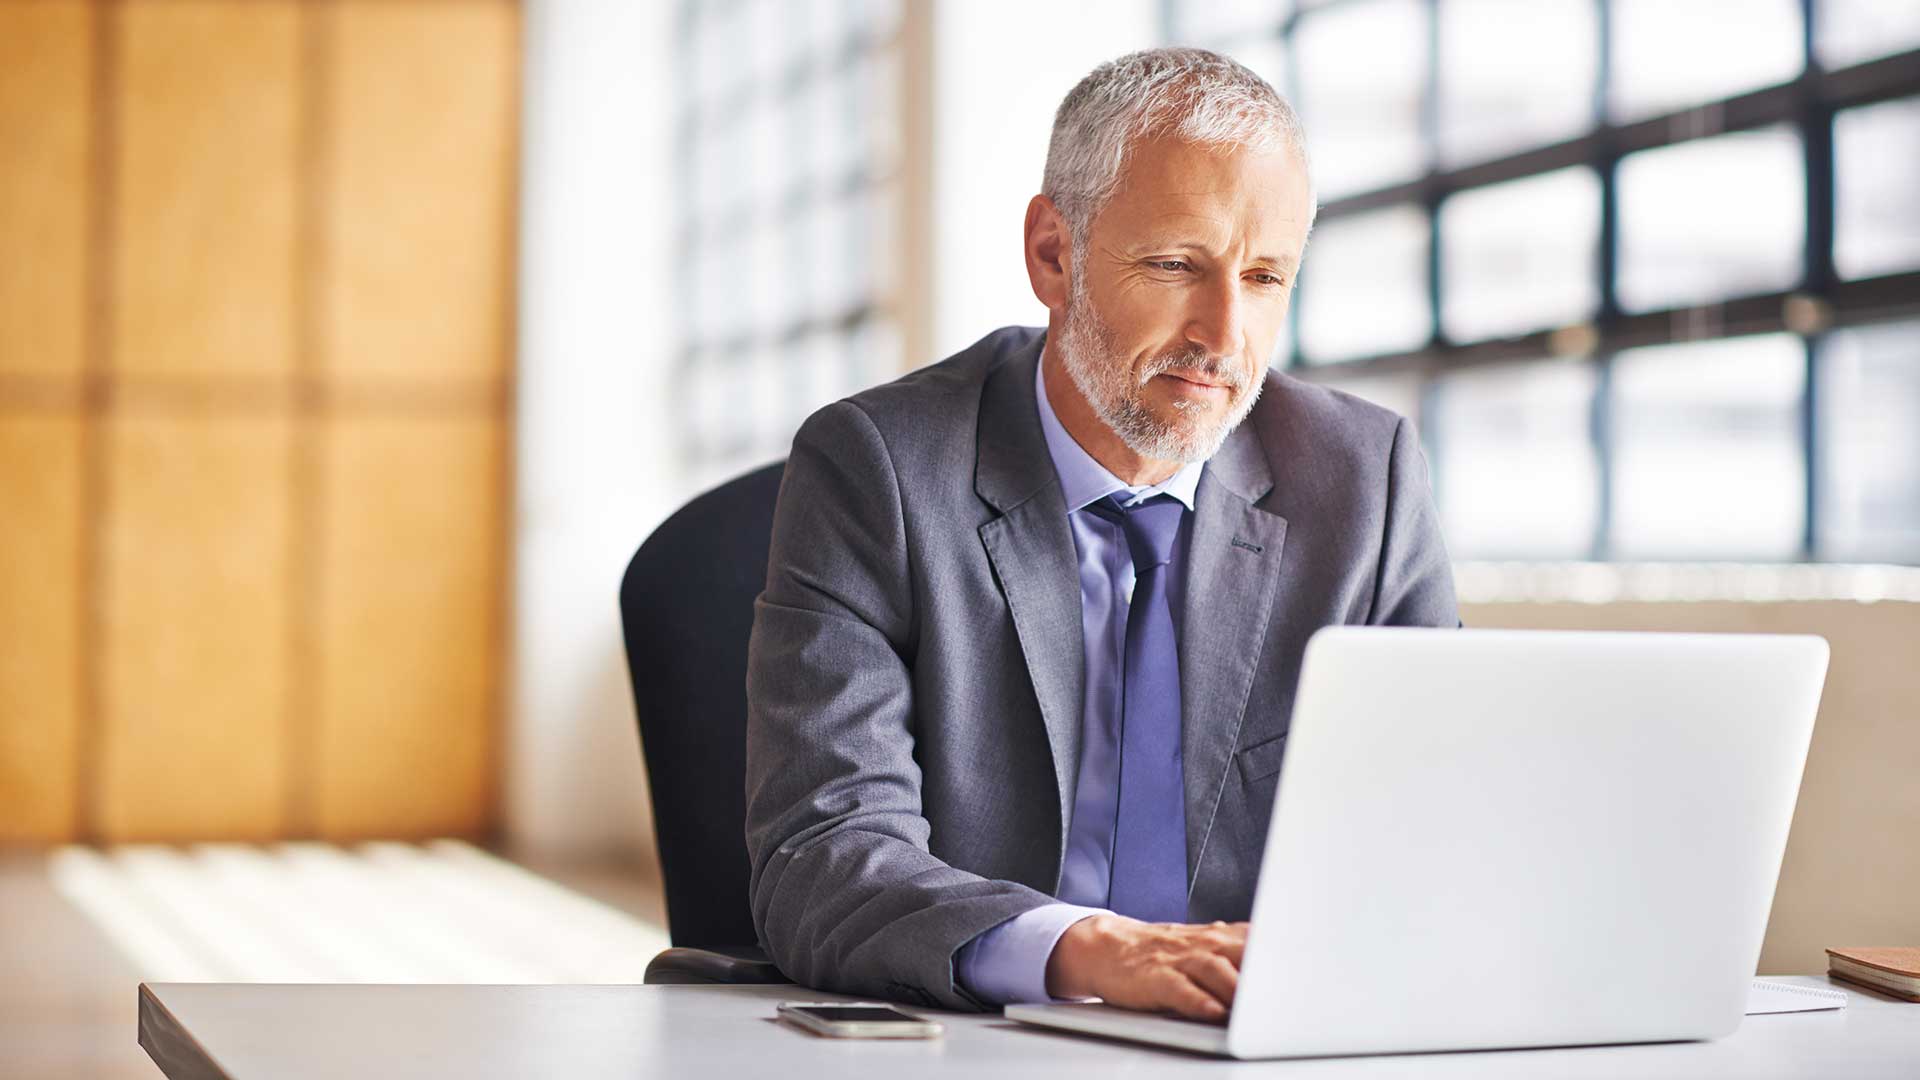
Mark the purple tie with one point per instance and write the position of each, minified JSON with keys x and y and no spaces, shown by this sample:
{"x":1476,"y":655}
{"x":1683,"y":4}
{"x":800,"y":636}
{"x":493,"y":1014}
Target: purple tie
{"x":1149,"y":869}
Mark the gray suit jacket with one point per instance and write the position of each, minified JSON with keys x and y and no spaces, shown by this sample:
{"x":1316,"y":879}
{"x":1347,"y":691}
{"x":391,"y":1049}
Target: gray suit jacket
{"x":914,"y":677}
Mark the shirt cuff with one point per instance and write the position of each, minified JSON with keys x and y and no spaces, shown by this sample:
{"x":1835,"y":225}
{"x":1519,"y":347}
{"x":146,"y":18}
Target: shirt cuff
{"x":1008,"y":964}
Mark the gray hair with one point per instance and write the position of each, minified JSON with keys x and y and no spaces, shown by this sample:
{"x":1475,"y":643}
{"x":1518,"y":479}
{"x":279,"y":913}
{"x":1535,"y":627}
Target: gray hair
{"x":1191,"y":94}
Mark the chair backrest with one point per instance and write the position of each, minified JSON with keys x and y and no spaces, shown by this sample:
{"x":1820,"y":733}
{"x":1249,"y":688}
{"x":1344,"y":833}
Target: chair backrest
{"x":686,"y":603}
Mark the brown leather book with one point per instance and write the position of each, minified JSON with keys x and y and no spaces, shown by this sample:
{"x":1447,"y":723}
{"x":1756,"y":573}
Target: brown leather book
{"x":1893,"y":970}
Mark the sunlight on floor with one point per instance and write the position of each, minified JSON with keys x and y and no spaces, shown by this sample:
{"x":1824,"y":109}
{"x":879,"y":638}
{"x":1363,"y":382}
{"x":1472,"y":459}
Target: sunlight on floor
{"x":441,"y":912}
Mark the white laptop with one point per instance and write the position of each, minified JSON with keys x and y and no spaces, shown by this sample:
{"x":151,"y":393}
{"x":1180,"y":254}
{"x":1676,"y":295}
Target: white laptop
{"x":1488,"y":839}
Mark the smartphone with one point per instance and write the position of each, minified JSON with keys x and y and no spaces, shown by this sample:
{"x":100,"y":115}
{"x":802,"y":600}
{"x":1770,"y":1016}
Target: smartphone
{"x":858,"y":1020}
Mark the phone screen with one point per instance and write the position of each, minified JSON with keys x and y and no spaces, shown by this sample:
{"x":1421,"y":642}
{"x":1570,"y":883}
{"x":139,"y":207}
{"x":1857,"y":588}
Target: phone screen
{"x":857,"y":1014}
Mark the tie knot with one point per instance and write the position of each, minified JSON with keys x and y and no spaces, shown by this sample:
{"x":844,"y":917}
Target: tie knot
{"x":1150,"y":526}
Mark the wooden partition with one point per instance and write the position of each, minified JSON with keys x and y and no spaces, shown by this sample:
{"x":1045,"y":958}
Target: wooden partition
{"x":256,"y":315}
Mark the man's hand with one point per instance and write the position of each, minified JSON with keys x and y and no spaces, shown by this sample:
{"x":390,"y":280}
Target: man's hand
{"x":1160,"y":967}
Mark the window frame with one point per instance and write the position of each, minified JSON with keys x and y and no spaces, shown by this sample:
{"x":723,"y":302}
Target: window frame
{"x":711,"y":452}
{"x":1819,"y":303}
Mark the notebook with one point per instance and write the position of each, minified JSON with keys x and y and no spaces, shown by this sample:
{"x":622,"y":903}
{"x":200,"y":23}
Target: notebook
{"x":1773,"y":997}
{"x":1892,"y":970}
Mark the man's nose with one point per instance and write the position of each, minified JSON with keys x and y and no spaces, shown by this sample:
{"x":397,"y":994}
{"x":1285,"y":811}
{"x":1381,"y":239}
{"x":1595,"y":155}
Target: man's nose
{"x":1215,"y":321}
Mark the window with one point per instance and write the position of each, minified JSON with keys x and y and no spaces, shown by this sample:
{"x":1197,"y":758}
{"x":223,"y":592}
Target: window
{"x":1675,"y":54}
{"x":1221,"y":19}
{"x":1521,"y":255}
{"x":713,"y":402}
{"x":1514,"y":74}
{"x":1869,"y":453}
{"x":1855,"y":31}
{"x":790,"y":130}
{"x":1282,"y":356}
{"x":1363,"y":286}
{"x":1520,"y":479}
{"x":1401,"y":393}
{"x":1615,"y":194}
{"x":1362,"y":118}
{"x":1877,"y":188}
{"x":1708,"y":460}
{"x":1712,"y":218}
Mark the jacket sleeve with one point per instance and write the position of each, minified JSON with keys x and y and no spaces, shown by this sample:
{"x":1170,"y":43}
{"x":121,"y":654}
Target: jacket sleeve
{"x":1414,"y":584}
{"x":845,"y":893}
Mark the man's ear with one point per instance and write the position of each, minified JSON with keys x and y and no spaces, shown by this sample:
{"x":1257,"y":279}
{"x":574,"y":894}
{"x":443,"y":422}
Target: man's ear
{"x":1048,"y":248}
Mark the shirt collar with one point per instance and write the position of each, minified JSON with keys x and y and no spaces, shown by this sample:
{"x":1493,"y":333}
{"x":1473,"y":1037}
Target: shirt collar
{"x":1084,"y":480}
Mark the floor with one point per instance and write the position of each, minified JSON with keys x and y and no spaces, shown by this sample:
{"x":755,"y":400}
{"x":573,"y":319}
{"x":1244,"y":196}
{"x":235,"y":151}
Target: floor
{"x":81,"y":928}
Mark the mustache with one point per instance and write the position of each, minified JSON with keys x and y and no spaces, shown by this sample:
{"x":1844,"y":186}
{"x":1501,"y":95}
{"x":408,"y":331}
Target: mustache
{"x":1197,"y":363}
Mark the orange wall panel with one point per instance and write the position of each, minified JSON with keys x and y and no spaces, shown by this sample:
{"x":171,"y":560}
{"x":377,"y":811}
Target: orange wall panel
{"x":40,"y":568}
{"x":46,"y":74}
{"x":412,"y":567}
{"x":196,"y":655}
{"x":205,"y":184}
{"x":230,"y":608}
{"x":419,"y":189}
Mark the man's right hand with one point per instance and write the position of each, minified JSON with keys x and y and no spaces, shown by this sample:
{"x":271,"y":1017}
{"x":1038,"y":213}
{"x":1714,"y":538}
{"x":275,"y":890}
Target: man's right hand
{"x":1190,"y":970}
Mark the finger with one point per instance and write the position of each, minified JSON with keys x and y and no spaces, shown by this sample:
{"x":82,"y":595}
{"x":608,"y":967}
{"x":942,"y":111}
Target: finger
{"x":1186,"y":998}
{"x":1212,"y":973}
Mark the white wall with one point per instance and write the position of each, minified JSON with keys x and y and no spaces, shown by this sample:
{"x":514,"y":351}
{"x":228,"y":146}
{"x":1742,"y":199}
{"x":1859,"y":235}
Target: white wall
{"x":595,"y":467}
{"x":1001,"y":68}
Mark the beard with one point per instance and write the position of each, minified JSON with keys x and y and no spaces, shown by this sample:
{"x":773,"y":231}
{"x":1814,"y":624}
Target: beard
{"x":1110,"y":385}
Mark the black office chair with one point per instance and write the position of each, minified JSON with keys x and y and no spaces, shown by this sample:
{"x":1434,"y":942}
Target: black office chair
{"x":686,"y":603}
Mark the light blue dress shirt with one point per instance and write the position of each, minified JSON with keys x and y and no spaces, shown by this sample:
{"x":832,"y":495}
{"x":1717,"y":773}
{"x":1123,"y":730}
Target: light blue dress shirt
{"x":1009,"y":962}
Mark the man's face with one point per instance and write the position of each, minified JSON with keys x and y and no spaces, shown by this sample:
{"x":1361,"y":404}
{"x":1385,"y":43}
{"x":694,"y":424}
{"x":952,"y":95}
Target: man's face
{"x":1179,"y":290}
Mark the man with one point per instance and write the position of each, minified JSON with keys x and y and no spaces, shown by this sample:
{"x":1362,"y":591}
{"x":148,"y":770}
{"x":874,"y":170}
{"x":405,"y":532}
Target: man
{"x":1020,"y":680}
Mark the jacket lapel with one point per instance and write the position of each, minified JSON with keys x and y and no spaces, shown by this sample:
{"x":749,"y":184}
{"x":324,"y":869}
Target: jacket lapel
{"x":1233,"y":569}
{"x":1031,"y":548}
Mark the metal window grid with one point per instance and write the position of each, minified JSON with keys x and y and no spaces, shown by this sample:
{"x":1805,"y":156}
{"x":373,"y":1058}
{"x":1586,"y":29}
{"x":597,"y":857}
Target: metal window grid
{"x":1820,"y":303}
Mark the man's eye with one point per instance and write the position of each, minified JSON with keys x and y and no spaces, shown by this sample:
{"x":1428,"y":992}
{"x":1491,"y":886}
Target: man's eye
{"x":1270,"y":279}
{"x":1170,"y":265}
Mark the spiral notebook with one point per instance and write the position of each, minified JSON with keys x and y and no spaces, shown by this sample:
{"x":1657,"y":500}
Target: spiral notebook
{"x":1773,"y":997}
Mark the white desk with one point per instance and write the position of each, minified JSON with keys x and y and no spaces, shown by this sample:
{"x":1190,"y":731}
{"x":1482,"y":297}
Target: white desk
{"x":292,"y":1032}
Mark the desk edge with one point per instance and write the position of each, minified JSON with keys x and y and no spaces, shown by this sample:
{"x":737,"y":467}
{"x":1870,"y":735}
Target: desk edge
{"x":172,"y":1047}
